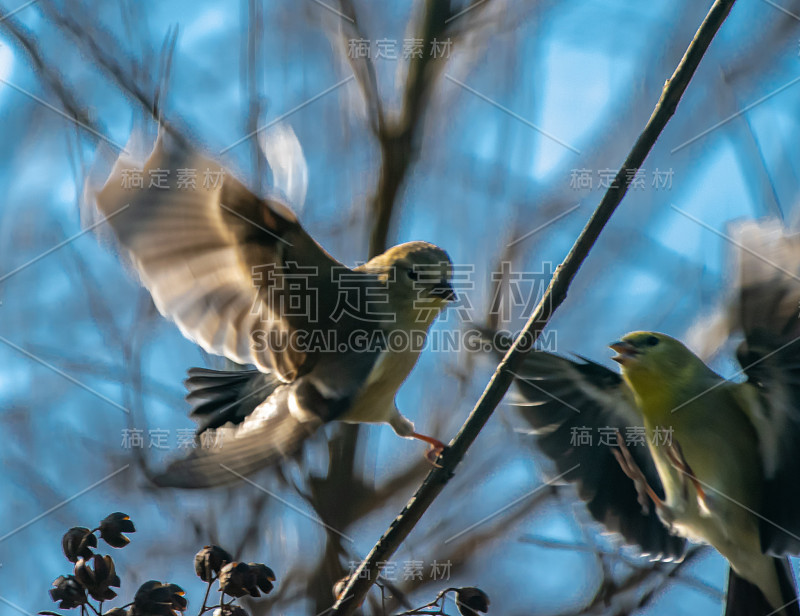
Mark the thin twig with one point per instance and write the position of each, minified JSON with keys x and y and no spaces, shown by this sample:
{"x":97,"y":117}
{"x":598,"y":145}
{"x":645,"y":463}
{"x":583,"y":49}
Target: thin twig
{"x":112,"y":66}
{"x":361,"y":581}
{"x":204,"y":608}
{"x":398,"y":137}
{"x":51,"y":77}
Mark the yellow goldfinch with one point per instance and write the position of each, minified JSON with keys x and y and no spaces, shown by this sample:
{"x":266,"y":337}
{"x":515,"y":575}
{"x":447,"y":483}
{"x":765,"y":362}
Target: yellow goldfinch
{"x":240,"y":277}
{"x":722,"y":461}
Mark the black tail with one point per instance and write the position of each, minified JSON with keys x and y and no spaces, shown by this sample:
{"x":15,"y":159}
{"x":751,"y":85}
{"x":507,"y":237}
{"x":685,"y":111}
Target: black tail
{"x":221,"y":396}
{"x":746,"y":599}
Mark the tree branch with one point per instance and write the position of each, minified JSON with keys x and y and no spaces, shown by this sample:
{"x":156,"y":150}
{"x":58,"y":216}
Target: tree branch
{"x":50,"y":76}
{"x":398,"y":137}
{"x":362,"y":579}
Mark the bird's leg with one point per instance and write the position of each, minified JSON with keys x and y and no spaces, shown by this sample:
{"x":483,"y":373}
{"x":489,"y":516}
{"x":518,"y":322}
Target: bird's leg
{"x":676,"y":458}
{"x":632,"y":470}
{"x":436,"y":447}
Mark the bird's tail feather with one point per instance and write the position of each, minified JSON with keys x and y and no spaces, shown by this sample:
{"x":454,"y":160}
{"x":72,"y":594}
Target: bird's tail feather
{"x":221,"y":396}
{"x":746,"y":599}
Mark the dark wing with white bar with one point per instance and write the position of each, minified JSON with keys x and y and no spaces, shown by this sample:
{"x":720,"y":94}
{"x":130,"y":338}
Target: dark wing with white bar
{"x":572,"y":406}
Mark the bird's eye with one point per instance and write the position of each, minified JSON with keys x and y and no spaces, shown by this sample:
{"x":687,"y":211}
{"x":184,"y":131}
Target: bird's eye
{"x":412,"y":274}
{"x":651,"y":341}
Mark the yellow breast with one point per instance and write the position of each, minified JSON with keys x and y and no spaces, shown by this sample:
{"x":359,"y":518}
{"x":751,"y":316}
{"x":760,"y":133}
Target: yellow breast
{"x":375,"y":402}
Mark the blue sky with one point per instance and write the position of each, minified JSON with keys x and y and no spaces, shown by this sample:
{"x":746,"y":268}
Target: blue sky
{"x":541,"y":90}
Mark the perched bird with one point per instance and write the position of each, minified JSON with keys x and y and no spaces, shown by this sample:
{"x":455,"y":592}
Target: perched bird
{"x":721,"y":460}
{"x":239,"y":276}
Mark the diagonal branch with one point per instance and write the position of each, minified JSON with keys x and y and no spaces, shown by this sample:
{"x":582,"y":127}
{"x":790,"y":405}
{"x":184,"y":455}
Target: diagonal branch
{"x":363,"y":578}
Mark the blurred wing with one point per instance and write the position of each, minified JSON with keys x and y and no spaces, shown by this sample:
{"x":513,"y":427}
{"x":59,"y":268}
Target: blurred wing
{"x":562,"y":398}
{"x":285,"y":158}
{"x":216,"y":258}
{"x":767,"y":312}
{"x":228,"y":454}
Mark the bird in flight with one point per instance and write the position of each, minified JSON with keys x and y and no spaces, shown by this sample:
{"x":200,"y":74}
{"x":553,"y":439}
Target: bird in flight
{"x":240,"y":276}
{"x":693,"y":456}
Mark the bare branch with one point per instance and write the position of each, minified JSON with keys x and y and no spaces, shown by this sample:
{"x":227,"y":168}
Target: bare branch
{"x":51,"y":77}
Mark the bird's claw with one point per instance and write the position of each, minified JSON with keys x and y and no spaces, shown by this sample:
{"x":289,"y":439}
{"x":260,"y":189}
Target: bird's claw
{"x":677,"y":459}
{"x":641,"y":494}
{"x":644,"y":493}
{"x":436,"y":449}
{"x":433,"y":454}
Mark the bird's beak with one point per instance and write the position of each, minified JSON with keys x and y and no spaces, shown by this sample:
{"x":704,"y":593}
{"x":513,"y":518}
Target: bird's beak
{"x":626,"y":351}
{"x":444,"y":291}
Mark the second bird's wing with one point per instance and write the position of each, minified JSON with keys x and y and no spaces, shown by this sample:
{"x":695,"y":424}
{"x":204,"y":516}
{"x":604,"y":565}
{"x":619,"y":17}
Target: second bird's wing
{"x":767,"y":311}
{"x":562,"y":399}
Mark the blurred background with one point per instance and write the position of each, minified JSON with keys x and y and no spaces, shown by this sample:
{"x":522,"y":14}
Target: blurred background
{"x":491,"y":128}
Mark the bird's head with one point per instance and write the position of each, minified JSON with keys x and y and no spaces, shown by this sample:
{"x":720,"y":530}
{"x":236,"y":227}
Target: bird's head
{"x":651,"y":360}
{"x":418,"y":276}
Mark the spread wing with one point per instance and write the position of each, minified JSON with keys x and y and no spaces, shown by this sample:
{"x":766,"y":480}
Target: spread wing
{"x":562,"y":400}
{"x":767,"y":312}
{"x":237,"y":274}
